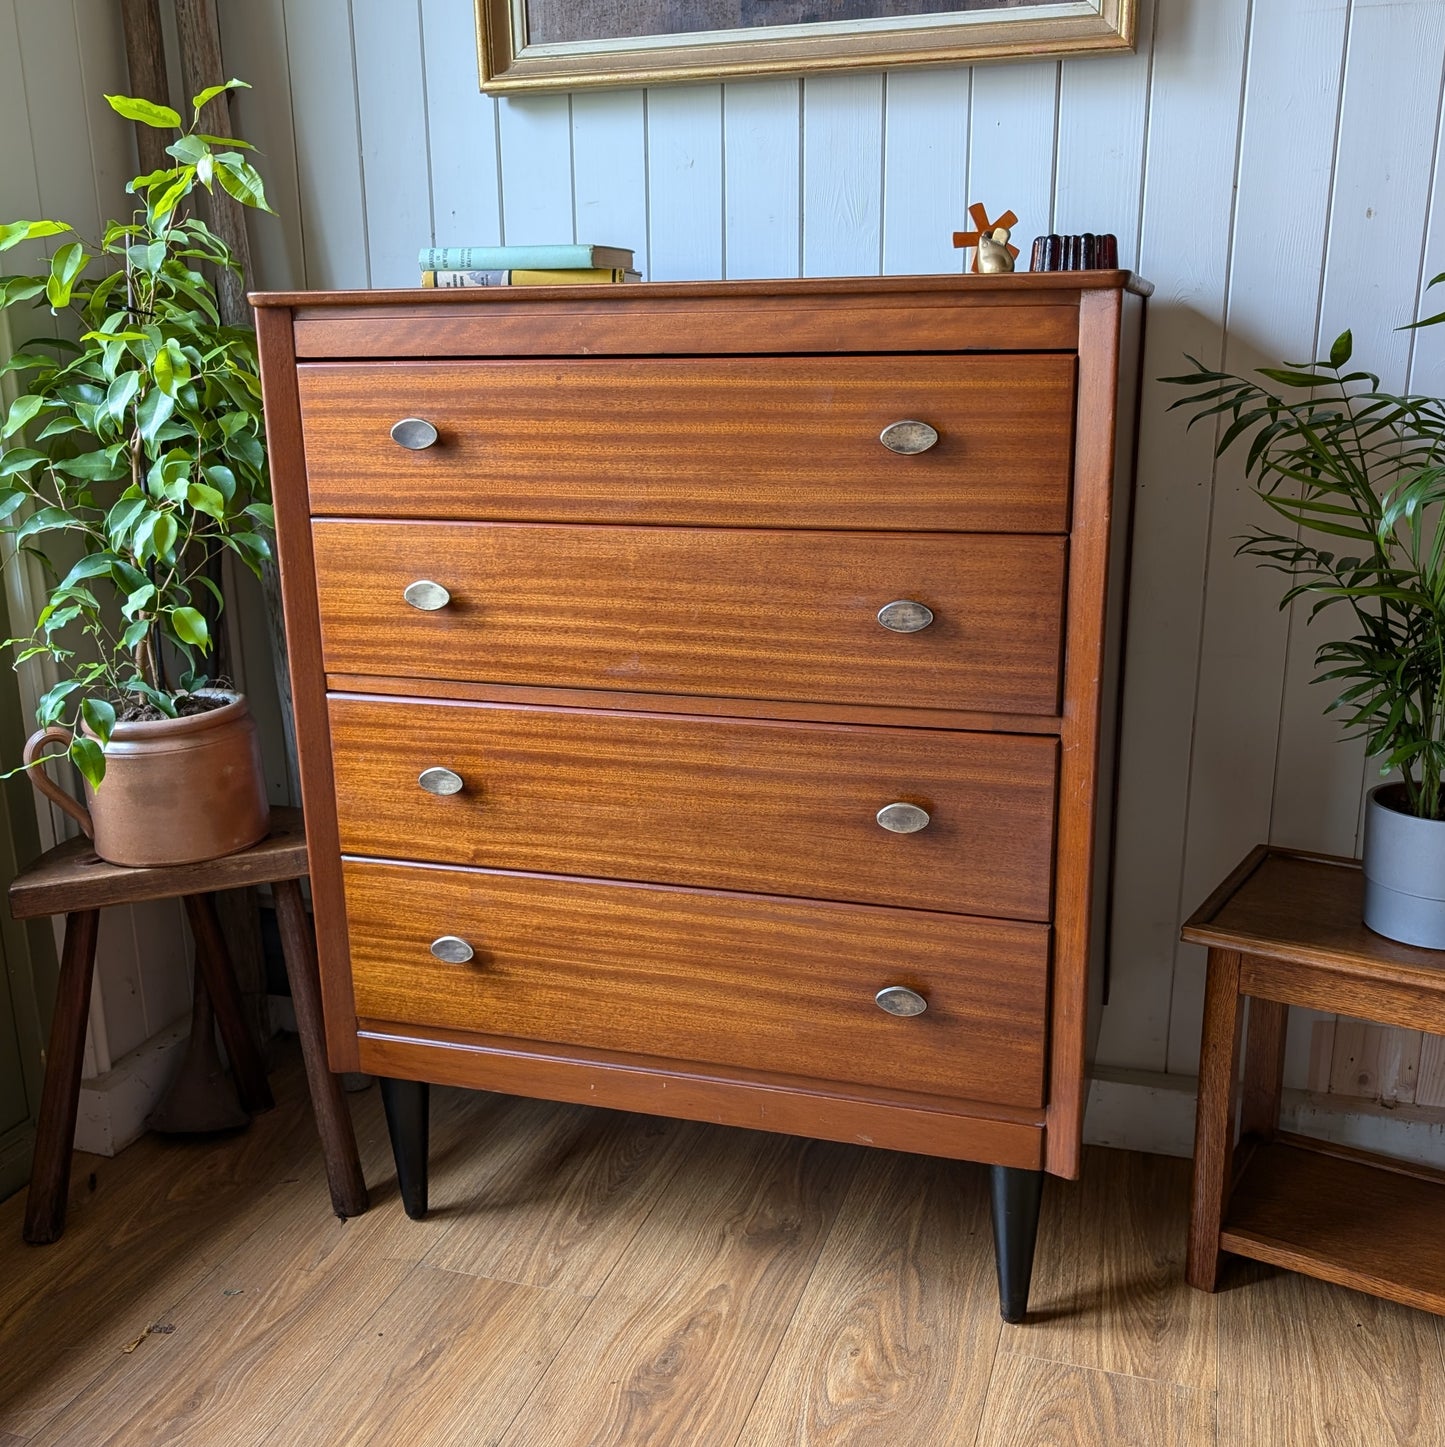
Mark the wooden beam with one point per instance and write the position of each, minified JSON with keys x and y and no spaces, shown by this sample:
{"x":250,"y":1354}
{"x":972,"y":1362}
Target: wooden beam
{"x":145,"y":58}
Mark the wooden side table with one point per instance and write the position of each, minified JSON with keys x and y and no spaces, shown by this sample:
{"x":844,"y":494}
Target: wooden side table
{"x":72,"y":880}
{"x":1285,"y":929}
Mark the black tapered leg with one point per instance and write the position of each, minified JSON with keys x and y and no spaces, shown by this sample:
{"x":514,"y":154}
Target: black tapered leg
{"x":407,"y":1117}
{"x":1015,"y":1197}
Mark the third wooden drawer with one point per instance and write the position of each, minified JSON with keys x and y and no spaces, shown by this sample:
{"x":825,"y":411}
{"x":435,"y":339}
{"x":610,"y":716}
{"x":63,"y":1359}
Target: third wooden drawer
{"x":783,"y":808}
{"x":749,"y":981}
{"x":726,"y":612}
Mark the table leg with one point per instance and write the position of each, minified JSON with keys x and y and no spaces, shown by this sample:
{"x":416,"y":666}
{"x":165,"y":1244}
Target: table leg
{"x":214,"y":960}
{"x":60,"y":1094}
{"x":1263,"y":1067}
{"x":333,"y":1118}
{"x":1214,"y":1121}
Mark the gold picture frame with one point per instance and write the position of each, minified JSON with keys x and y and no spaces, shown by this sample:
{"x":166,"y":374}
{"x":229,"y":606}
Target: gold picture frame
{"x":510,"y":61}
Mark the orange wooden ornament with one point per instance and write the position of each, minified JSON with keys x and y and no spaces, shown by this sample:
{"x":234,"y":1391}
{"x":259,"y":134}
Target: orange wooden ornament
{"x":978,"y":214}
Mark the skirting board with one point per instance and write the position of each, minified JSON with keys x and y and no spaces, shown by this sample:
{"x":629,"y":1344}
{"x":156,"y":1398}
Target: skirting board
{"x":1140,"y":1110}
{"x":114,"y":1106}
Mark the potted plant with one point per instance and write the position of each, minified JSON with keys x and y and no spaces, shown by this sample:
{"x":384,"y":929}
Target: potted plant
{"x":129,"y":457}
{"x":1358,"y":475}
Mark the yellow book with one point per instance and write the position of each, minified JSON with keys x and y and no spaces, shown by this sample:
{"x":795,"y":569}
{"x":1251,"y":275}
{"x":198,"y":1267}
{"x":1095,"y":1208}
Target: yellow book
{"x":578,"y":277}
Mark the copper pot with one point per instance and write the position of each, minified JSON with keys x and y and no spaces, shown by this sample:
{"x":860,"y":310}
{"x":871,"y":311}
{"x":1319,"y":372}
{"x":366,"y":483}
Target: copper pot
{"x":176,"y":790}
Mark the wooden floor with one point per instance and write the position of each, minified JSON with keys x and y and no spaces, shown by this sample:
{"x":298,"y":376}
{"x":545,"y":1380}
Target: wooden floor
{"x":592,"y":1278}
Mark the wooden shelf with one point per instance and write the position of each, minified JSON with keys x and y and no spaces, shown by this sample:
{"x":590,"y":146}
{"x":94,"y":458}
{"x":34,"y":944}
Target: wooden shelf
{"x":1343,"y":1216}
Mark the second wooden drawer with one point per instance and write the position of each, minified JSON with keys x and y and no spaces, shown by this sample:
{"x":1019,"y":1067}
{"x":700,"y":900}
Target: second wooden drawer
{"x":786,"y":808}
{"x":727,"y":612}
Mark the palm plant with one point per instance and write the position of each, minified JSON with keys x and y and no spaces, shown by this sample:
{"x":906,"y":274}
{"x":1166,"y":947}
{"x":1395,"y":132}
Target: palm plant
{"x":1359,"y":475}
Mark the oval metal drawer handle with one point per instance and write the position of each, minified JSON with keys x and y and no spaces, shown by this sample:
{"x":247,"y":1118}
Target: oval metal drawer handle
{"x":415,"y":434}
{"x":903,"y":818}
{"x":426,"y":595}
{"x":452,"y":950}
{"x":908,"y":437}
{"x":440,"y":781}
{"x":903,"y":615}
{"x":901,"y":1001}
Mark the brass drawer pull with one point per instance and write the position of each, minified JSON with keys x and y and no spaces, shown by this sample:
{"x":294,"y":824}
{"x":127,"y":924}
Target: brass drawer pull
{"x":415,"y":434}
{"x":440,"y":781}
{"x":452,"y":950}
{"x":903,"y":615}
{"x":426,"y":595}
{"x":901,"y":1001}
{"x":903,"y":818}
{"x":908,"y":437}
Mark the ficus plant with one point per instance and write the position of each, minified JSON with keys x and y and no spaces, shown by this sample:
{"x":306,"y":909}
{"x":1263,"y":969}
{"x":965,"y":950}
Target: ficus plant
{"x":1357,"y":475}
{"x":137,"y":451}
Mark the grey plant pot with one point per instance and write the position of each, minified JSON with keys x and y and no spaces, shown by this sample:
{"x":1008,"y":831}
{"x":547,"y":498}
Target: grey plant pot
{"x":1404,"y":859}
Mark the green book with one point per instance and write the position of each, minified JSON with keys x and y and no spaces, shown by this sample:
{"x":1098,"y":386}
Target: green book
{"x":572,"y":257}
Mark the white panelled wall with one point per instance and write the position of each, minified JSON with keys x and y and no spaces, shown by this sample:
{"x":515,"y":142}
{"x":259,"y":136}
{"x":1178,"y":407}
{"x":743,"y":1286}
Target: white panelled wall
{"x":1271,"y":165}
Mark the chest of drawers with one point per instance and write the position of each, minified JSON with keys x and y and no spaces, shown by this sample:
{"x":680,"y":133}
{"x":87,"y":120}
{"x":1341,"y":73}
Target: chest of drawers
{"x":678,"y":733}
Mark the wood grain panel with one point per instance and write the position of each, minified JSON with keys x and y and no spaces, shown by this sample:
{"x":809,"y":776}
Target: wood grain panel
{"x":675,"y":1351}
{"x":709,"y":611}
{"x":756,"y":1099}
{"x":1040,"y":1404}
{"x":900,"y":1315}
{"x":782,"y":808}
{"x":740,"y":980}
{"x":776,"y":441}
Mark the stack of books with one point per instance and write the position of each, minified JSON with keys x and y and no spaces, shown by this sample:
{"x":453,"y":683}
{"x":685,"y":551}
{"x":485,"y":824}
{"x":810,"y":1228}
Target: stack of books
{"x":525,"y":265}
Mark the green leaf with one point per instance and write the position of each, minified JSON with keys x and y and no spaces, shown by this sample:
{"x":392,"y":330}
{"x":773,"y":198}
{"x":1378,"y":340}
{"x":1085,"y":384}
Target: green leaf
{"x":154,"y":410}
{"x":67,"y":263}
{"x":22,"y":409}
{"x":241,"y":180}
{"x":93,"y":466}
{"x":174,"y":194}
{"x":1342,"y":350}
{"x":10,"y":499}
{"x":1288,"y":377}
{"x":19,"y":288}
{"x":190,"y":626}
{"x":47,"y":710}
{"x":47,"y":519}
{"x":99,"y":716}
{"x":212,"y":91}
{"x":138,"y":602}
{"x":134,"y":632}
{"x":188,"y":150}
{"x":18,"y":231}
{"x":93,"y":565}
{"x":122,"y":393}
{"x":207,"y":500}
{"x":165,"y":373}
{"x":148,"y":113}
{"x":89,"y":758}
{"x":19,"y":459}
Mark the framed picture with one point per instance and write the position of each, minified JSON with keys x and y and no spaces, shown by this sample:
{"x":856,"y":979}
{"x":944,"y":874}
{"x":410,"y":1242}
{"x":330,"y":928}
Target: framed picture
{"x":564,"y":44}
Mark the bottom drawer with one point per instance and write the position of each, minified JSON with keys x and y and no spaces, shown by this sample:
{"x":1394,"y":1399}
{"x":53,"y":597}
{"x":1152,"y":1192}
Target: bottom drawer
{"x":748,"y":981}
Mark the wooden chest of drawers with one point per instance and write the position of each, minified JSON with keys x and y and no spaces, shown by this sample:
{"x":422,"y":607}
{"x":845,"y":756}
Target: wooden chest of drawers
{"x":647,"y":798}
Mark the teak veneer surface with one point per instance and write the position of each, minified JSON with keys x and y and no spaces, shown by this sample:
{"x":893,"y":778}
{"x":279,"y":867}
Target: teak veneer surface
{"x":778,"y":807}
{"x":758,"y":614}
{"x":749,"y":981}
{"x":788,"y":442}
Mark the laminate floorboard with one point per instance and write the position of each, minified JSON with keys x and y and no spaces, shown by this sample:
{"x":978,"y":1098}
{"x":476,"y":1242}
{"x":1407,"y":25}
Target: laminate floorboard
{"x":589,"y":1277}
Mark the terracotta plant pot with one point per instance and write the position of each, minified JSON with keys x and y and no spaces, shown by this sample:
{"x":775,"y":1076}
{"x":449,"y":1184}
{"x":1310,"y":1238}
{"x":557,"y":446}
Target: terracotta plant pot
{"x":176,"y":790}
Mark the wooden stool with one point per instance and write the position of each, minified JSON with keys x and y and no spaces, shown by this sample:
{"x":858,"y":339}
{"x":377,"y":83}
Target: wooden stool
{"x":1284,"y":929}
{"x":71,"y":880}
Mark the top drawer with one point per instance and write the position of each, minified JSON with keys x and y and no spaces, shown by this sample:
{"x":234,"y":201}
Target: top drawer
{"x":758,"y":441}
